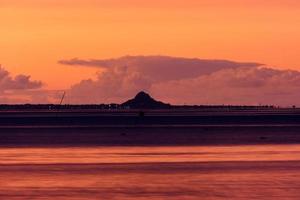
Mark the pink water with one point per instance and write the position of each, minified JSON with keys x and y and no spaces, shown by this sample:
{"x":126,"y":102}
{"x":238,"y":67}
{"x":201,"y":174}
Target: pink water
{"x":206,"y":172}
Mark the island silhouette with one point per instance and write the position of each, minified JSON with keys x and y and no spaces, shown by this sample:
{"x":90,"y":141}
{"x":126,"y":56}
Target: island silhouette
{"x":143,"y":120}
{"x":142,"y":100}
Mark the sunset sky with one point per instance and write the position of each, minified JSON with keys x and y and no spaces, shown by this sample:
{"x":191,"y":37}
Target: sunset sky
{"x":38,"y":37}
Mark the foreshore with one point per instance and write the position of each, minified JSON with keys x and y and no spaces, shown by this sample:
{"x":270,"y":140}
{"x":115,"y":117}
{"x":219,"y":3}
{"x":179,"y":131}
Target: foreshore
{"x":149,"y":127}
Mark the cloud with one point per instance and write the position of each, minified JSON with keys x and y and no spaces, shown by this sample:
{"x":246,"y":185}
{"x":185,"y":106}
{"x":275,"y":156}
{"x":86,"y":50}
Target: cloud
{"x":160,"y":68}
{"x":110,"y":86}
{"x":20,"y":82}
{"x":241,"y":86}
{"x":190,"y":81}
{"x":124,"y":77}
{"x":17,"y":89}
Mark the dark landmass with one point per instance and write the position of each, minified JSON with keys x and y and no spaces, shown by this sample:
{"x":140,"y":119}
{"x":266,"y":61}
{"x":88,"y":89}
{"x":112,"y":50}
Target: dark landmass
{"x":154,"y":128}
{"x":141,"y":101}
{"x":148,"y":122}
{"x":144,"y":101}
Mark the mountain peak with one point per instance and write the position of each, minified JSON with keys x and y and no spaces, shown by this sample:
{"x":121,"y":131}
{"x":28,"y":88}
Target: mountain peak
{"x":143,"y":96}
{"x":144,"y":100}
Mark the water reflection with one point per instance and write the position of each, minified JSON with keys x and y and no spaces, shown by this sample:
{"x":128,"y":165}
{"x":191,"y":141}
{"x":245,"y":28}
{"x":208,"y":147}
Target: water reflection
{"x":220,"y":172}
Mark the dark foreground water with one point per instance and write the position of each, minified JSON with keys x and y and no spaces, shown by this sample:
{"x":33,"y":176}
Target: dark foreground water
{"x":194,"y":172}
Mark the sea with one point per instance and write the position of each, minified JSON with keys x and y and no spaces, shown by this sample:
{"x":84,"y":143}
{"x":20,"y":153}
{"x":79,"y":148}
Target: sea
{"x":214,"y":172}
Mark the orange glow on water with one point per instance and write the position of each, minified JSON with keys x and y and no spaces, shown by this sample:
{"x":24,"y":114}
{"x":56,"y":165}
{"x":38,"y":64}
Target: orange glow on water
{"x":161,"y":173}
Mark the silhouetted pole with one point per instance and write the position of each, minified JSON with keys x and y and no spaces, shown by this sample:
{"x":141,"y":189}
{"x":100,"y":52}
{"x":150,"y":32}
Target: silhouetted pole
{"x":62,"y":98}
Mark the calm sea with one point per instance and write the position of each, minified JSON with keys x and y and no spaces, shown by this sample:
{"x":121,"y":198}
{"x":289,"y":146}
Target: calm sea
{"x":206,"y":172}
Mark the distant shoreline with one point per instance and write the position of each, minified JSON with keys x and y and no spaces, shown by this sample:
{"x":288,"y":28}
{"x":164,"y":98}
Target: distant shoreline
{"x":120,"y":107}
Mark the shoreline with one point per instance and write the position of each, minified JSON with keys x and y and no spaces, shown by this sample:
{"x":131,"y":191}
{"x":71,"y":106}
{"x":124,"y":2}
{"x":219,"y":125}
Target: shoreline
{"x":152,"y":128}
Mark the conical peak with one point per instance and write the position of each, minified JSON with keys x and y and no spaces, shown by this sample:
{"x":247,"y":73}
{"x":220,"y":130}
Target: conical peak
{"x":144,"y":100}
{"x":143,"y":95}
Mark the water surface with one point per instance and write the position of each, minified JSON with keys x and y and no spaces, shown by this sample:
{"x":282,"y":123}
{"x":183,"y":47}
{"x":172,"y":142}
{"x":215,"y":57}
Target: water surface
{"x":194,"y":172}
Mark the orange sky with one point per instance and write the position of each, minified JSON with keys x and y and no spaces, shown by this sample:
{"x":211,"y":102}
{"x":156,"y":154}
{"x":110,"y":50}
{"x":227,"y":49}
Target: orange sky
{"x":35,"y":34}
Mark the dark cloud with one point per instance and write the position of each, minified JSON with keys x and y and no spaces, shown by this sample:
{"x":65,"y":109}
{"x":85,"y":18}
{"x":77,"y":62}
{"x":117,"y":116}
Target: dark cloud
{"x":160,"y":68}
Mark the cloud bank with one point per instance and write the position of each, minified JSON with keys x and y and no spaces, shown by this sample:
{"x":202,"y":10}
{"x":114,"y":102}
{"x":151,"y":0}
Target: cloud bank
{"x":174,"y":80}
{"x":183,"y":80}
{"x":241,"y":86}
{"x":16,"y":89}
{"x":159,"y":68}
